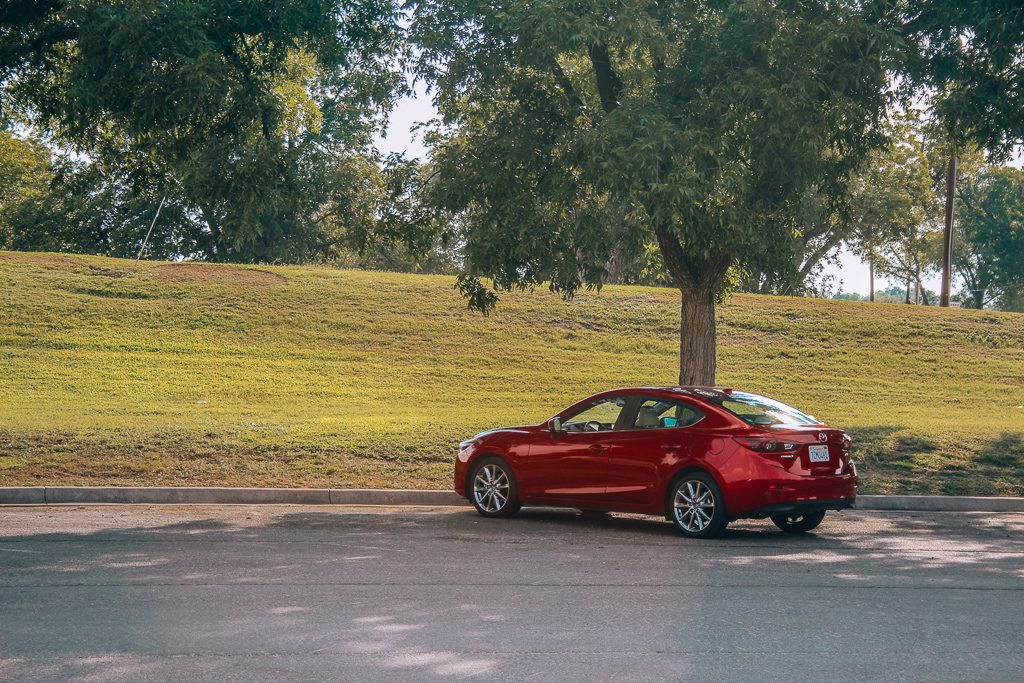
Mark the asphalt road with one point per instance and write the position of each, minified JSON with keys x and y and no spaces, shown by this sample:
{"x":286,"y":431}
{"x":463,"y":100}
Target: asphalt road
{"x":238,"y":593}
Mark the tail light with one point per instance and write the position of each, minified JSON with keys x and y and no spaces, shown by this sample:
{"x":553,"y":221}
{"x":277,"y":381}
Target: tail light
{"x":766,"y":444}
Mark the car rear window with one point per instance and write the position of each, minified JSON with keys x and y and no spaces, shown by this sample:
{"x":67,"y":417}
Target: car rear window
{"x":760,"y":410}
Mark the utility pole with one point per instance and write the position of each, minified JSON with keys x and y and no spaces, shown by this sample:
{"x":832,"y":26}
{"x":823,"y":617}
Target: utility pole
{"x":947,"y":237}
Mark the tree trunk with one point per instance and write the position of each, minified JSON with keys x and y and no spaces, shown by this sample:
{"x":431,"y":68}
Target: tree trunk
{"x":907,"y":300}
{"x":947,"y":236}
{"x":698,"y":280}
{"x":697,"y":338}
{"x":917,"y":285}
{"x":614,"y":267}
{"x":871,"y":276}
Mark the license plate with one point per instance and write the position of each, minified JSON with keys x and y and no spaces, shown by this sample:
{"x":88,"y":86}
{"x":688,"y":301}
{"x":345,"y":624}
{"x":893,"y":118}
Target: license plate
{"x":818,"y":453}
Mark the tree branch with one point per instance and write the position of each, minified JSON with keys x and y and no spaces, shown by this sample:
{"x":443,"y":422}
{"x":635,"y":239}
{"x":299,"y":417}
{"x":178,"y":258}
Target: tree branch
{"x":609,"y":85}
{"x":818,"y":254}
{"x":566,"y":85}
{"x":692,"y":276}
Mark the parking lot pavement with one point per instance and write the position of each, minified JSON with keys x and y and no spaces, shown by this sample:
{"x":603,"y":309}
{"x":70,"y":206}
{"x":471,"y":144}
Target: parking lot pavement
{"x":364,"y":594}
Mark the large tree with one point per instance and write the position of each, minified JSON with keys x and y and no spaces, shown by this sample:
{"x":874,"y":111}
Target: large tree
{"x":705,"y":124}
{"x":233,"y":109}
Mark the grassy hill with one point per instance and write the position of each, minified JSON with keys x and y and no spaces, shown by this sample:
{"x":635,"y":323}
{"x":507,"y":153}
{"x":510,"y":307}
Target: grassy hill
{"x":185,"y":374}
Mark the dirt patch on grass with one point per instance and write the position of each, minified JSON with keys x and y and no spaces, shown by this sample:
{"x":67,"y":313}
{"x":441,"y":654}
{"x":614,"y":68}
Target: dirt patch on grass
{"x":41,"y":259}
{"x":208,"y":272}
{"x":72,"y":263}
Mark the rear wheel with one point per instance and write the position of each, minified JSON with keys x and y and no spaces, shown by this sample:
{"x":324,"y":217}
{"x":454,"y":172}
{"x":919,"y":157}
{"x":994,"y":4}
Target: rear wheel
{"x":799,"y":523}
{"x":493,"y":489}
{"x":696,"y":507}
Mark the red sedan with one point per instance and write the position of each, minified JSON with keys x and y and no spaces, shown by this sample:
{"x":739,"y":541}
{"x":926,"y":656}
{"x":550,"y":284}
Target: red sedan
{"x":700,"y":457}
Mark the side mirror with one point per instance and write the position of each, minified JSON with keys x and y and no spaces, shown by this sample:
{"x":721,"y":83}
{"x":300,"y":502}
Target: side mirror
{"x":555,"y":425}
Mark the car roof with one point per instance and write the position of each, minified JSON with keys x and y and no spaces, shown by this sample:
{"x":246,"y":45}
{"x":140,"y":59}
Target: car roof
{"x":687,"y":390}
{"x":697,"y":393}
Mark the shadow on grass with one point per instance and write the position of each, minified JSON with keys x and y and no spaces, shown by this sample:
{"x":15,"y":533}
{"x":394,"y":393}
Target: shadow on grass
{"x":1005,"y":451}
{"x":891,"y":460}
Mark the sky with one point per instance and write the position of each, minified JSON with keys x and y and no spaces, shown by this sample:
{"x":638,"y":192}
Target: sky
{"x":399,"y":137}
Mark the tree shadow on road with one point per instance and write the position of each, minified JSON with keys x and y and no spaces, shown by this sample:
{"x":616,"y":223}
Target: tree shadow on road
{"x":414,"y":593}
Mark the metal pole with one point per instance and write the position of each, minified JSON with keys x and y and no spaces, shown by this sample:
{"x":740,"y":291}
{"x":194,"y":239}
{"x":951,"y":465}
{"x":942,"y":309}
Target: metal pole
{"x":150,"y":231}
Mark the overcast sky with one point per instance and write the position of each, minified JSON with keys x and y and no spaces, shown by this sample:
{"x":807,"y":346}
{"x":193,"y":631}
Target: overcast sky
{"x":399,"y":138}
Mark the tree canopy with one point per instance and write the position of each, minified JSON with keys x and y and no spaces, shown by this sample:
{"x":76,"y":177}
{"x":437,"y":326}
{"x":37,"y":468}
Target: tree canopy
{"x":705,"y":123}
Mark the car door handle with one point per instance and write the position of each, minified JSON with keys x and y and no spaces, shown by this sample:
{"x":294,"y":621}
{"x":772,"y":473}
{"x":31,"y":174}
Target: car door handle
{"x":670,"y":447}
{"x":598,"y":448}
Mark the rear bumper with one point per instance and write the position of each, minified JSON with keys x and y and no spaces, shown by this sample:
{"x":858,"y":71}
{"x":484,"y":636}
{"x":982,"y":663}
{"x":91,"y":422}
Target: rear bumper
{"x":768,"y":495}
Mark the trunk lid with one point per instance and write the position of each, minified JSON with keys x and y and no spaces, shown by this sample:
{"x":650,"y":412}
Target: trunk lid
{"x":820,"y":451}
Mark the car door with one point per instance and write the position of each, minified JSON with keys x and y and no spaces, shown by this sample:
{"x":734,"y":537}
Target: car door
{"x":653,"y":437}
{"x":570,"y":467}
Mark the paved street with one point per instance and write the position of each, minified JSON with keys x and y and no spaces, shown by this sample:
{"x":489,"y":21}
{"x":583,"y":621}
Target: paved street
{"x":238,"y":593}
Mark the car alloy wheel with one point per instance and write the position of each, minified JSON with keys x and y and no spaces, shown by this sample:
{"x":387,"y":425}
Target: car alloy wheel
{"x":697,"y":509}
{"x":494,"y":489}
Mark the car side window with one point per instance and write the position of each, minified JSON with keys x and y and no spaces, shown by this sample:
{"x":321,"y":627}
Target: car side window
{"x":659,"y":413}
{"x":599,"y":416}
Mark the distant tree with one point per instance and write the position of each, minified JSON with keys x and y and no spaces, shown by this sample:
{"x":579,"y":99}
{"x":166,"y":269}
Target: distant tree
{"x":990,"y":248}
{"x":704,"y":124}
{"x":234,"y":110}
{"x":24,"y":174}
{"x":83,"y":208}
{"x":895,"y":210}
{"x":849,"y":296}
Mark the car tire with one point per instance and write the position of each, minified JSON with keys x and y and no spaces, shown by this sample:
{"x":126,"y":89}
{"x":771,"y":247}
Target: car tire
{"x":798,"y":524}
{"x":492,"y":488}
{"x":696,"y":506}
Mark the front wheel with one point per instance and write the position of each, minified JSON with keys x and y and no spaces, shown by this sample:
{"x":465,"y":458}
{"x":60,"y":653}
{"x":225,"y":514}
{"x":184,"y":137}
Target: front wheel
{"x":494,"y":489}
{"x":798,"y":524}
{"x":696,"y":506}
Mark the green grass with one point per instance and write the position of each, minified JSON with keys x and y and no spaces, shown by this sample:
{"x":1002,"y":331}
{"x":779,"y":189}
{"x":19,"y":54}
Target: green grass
{"x":294,"y":376}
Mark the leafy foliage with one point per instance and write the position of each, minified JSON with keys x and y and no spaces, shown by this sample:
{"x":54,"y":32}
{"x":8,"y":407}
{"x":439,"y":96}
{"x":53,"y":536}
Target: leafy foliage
{"x":968,"y":54}
{"x":990,"y":252}
{"x":24,"y":174}
{"x":232,"y":110}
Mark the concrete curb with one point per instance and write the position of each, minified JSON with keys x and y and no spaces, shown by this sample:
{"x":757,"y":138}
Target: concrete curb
{"x":212,"y":495}
{"x":941,"y":503}
{"x":22,"y":495}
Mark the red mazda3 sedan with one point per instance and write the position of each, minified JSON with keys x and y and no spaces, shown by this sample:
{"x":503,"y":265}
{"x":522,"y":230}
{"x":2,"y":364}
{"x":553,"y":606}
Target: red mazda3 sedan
{"x":701,"y":457}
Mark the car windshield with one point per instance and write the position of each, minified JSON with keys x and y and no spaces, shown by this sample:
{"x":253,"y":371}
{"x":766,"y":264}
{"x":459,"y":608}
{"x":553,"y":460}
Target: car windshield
{"x":759,"y":410}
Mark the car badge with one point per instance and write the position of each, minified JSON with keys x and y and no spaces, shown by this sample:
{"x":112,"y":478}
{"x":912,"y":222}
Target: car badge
{"x":822,"y":436}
